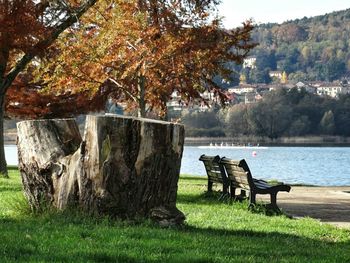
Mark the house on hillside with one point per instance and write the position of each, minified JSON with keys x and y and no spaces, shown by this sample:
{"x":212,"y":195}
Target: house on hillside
{"x":262,"y":88}
{"x":279,"y":86}
{"x":247,"y":93}
{"x":276,"y":74}
{"x":249,"y":62}
{"x":242,"y":88}
{"x":175,"y":105}
{"x":251,"y":97}
{"x":332,"y":89}
{"x":310,"y":89}
{"x":209,"y":95}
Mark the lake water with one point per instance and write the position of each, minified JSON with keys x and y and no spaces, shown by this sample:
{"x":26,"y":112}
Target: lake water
{"x":11,"y":154}
{"x":324,"y":166}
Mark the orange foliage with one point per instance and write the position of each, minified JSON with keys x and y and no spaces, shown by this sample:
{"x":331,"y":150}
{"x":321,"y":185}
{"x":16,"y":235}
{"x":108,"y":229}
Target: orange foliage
{"x":27,"y":101}
{"x":27,"y":30}
{"x":143,"y":50}
{"x":20,"y":24}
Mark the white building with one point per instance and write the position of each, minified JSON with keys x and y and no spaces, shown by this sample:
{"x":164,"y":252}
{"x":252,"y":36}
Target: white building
{"x":276,"y":74}
{"x":249,"y":62}
{"x":332,"y":89}
{"x":300,"y":85}
{"x":241,"y":89}
{"x":208,"y":95}
{"x":175,"y":103}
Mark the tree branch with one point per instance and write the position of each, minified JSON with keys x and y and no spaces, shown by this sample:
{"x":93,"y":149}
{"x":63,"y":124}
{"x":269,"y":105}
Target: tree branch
{"x":73,"y":18}
{"x":132,"y":96}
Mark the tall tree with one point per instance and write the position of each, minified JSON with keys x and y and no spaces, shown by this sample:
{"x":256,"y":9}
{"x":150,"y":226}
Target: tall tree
{"x":284,"y":78}
{"x":237,"y":120}
{"x":27,"y":29}
{"x":272,"y":116}
{"x":145,"y":49}
{"x":327,"y":125}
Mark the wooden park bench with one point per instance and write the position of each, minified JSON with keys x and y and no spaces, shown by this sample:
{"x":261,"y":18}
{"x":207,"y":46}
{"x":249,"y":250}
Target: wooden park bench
{"x":239,"y":176}
{"x":216,"y":173}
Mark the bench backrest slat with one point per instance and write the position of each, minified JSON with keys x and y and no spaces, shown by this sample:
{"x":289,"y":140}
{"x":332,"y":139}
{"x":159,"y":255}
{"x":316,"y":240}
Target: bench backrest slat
{"x":239,"y":176}
{"x":238,"y":172}
{"x":212,"y":167}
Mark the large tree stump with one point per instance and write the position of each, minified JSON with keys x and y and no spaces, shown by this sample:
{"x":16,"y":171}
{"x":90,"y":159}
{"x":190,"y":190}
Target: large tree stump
{"x":48,"y":159}
{"x":124,"y":167}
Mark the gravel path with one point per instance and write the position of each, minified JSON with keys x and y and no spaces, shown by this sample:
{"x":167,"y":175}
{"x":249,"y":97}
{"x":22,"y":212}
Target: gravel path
{"x":328,"y":204}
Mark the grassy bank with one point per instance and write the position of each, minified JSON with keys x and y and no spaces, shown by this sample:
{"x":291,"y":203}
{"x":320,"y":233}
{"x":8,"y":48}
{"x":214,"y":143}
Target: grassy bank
{"x":214,"y":232}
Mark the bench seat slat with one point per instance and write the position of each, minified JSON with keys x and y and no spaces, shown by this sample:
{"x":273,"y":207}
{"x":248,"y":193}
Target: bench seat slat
{"x":261,"y":185}
{"x":239,"y":175}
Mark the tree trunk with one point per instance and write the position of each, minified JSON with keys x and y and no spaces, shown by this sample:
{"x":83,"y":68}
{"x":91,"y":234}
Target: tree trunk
{"x":3,"y":164}
{"x":4,"y":56}
{"x":141,"y":93}
{"x":125,"y":167}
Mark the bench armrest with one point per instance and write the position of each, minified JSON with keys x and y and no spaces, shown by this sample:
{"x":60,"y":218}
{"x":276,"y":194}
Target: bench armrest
{"x":259,"y":180}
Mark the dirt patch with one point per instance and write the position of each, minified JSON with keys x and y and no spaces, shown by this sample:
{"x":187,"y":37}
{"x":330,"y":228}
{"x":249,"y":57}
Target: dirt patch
{"x":327,"y":204}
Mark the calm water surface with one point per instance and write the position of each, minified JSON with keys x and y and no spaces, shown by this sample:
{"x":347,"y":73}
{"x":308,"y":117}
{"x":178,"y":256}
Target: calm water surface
{"x":11,"y":154}
{"x":324,"y":166}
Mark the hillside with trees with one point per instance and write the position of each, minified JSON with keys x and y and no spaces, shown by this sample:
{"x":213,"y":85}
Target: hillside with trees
{"x":307,"y":49}
{"x":282,"y":113}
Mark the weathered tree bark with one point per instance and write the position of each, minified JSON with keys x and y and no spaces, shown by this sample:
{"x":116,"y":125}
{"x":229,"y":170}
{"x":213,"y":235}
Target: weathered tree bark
{"x":48,"y":159}
{"x":125,"y":167}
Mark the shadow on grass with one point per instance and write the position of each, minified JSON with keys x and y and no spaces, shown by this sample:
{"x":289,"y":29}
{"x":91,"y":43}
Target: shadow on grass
{"x":22,"y":254}
{"x":215,"y":197}
{"x":34,"y":239}
{"x":204,"y":198}
{"x":7,"y":188}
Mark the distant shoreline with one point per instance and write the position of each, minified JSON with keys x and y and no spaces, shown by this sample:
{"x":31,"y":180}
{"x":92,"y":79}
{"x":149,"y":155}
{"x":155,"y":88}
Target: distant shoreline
{"x":315,"y":141}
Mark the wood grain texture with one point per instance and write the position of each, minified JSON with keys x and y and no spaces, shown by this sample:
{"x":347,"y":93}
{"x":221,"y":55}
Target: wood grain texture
{"x":123,"y":167}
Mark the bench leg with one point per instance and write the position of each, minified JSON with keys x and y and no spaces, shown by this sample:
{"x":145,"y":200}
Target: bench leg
{"x":273,"y":205}
{"x":210,"y":186}
{"x":225,"y":192}
{"x":252,"y":199}
{"x":232,"y":191}
{"x":273,"y":198}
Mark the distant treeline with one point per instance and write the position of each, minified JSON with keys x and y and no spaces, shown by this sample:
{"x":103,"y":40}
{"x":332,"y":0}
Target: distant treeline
{"x":280,"y":113}
{"x":307,"y":49}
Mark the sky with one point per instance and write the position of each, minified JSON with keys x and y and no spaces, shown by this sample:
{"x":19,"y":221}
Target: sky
{"x":278,"y":11}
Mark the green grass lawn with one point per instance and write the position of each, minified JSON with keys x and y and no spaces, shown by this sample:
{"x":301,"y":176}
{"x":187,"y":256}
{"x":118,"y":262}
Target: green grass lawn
{"x":214,"y":232}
